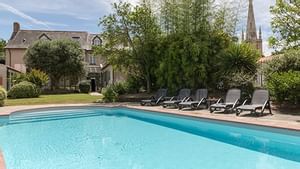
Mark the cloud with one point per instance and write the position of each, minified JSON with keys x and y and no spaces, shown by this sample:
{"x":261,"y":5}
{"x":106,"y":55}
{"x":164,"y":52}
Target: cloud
{"x":22,"y":14}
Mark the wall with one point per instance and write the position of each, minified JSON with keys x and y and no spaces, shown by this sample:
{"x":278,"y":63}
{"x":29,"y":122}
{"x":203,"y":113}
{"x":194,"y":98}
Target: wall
{"x":16,"y":61}
{"x":3,"y":76}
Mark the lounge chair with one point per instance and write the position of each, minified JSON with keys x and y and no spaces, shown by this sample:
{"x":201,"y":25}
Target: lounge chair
{"x":157,"y":99}
{"x":183,"y":95}
{"x":260,"y":100}
{"x":232,"y":98}
{"x":199,"y":99}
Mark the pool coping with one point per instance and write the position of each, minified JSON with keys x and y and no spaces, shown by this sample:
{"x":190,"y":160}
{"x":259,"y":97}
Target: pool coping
{"x":202,"y":114}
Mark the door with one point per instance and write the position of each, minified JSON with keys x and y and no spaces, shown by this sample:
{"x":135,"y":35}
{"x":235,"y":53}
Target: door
{"x":93,"y":85}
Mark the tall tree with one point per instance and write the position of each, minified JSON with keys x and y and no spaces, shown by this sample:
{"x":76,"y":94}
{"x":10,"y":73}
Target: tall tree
{"x":285,"y":24}
{"x":131,"y":37}
{"x":2,"y":51}
{"x":57,"y":58}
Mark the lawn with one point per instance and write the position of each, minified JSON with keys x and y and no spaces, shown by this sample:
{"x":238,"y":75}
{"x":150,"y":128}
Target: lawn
{"x":54,"y":99}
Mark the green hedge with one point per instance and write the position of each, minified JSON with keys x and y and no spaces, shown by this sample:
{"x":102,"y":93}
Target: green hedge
{"x":84,"y":86}
{"x":285,"y":86}
{"x":3,"y":96}
{"x":24,"y":90}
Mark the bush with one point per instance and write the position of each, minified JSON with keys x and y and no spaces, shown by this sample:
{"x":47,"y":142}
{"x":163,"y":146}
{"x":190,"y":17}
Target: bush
{"x":285,"y":85}
{"x":132,"y":85}
{"x":239,"y":58}
{"x":85,"y":86}
{"x":36,"y":77}
{"x":119,"y":88}
{"x":3,"y":96}
{"x":242,"y":81}
{"x":24,"y":90}
{"x":18,"y":78}
{"x":109,"y":94}
{"x":290,"y":60}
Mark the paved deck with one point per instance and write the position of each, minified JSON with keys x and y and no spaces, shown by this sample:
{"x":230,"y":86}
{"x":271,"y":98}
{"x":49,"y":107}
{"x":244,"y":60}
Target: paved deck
{"x":286,"y":121}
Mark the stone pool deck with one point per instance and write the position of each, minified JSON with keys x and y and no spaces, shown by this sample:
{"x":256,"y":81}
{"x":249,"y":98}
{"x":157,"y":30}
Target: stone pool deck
{"x":278,"y":120}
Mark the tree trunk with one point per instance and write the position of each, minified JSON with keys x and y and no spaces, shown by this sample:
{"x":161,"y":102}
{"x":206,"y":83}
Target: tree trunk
{"x":148,"y":79}
{"x":54,"y":83}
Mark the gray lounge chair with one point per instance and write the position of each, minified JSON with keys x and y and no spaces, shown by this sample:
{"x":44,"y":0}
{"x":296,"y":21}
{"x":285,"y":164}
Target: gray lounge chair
{"x":232,"y":98}
{"x":199,"y":99}
{"x":157,"y":99}
{"x":183,"y":95}
{"x":260,"y":100}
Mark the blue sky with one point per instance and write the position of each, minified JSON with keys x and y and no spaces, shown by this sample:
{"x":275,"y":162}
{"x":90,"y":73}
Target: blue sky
{"x":84,"y":15}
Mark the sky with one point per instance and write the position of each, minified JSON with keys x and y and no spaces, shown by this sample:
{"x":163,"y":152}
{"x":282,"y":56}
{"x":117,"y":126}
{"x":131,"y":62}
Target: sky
{"x":83,"y":15}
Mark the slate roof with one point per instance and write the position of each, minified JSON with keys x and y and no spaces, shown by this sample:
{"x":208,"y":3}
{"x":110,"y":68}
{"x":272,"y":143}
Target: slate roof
{"x":24,"y":38}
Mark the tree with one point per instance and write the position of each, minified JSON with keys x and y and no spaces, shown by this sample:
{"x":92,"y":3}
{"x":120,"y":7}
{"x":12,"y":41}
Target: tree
{"x":131,"y":36}
{"x":58,"y":58}
{"x":285,"y":24}
{"x":2,"y":51}
{"x":239,"y":58}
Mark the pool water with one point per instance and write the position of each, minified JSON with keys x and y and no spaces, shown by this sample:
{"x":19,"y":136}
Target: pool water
{"x":93,"y":138}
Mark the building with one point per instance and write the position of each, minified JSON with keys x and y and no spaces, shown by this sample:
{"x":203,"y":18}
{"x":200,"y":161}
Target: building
{"x":97,"y":70}
{"x":251,"y":33}
{"x":256,"y":42}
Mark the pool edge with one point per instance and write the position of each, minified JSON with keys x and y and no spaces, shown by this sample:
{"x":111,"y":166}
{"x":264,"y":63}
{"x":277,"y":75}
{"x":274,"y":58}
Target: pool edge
{"x":279,"y":124}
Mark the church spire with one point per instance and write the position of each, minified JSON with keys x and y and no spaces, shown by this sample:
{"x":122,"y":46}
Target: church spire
{"x":243,"y":37}
{"x":251,"y":33}
{"x":251,"y":26}
{"x":260,"y":37}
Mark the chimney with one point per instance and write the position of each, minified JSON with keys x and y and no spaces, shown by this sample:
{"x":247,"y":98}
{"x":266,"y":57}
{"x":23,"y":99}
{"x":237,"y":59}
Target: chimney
{"x":16,"y":28}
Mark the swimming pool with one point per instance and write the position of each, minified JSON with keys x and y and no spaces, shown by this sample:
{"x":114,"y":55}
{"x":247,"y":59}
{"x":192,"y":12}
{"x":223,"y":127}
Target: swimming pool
{"x":120,"y":138}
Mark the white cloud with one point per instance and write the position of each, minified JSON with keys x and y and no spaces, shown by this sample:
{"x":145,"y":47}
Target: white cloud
{"x":22,"y":14}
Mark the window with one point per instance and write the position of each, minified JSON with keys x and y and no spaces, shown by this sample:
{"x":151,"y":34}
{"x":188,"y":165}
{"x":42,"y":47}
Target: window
{"x":97,"y":41}
{"x":92,"y":60}
{"x":76,"y":38}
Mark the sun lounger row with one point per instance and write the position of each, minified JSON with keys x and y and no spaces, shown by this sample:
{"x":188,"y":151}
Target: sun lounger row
{"x":232,"y":103}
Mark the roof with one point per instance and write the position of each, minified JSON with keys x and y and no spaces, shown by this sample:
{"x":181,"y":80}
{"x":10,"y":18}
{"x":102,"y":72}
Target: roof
{"x":266,"y":58}
{"x":24,"y":38}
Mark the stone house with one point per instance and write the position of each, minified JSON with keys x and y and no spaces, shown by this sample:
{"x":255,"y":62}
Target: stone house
{"x":98,"y":71}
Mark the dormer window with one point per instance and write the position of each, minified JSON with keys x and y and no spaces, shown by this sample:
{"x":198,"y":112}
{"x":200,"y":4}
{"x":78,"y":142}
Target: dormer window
{"x":44,"y":37}
{"x":76,"y":38}
{"x":97,"y":41}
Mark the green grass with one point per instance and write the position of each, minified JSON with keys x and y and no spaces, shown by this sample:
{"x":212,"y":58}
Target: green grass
{"x":54,"y":99}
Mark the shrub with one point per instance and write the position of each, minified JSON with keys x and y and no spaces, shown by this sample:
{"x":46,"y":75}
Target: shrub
{"x":119,"y":88}
{"x":109,"y":94}
{"x":290,"y":60}
{"x":132,"y":84}
{"x":242,"y":81}
{"x":84,"y":86}
{"x":37,"y":77}
{"x":24,"y":90}
{"x":239,"y":58}
{"x":18,"y":78}
{"x":285,"y":85}
{"x":3,"y":96}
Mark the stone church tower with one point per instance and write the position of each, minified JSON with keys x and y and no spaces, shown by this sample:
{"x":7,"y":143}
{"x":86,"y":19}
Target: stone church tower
{"x":251,"y":33}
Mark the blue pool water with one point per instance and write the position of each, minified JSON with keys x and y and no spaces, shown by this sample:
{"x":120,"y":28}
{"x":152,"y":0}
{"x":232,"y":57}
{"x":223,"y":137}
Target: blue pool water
{"x":99,"y":138}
